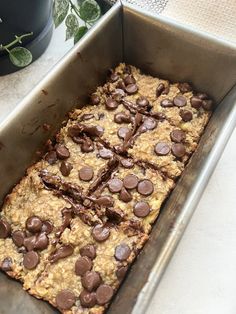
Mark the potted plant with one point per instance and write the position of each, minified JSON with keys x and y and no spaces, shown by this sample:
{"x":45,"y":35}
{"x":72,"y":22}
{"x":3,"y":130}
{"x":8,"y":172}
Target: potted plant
{"x":25,"y":31}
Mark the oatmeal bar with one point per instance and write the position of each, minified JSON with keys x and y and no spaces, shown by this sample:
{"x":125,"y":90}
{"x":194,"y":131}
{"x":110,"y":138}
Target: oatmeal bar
{"x":30,"y":198}
{"x":165,"y":146}
{"x":85,"y":281}
{"x":114,"y":120}
{"x":136,"y":192}
{"x":76,"y":158}
{"x":177,"y":103}
{"x":32,"y":220}
{"x":25,"y":263}
{"x":24,"y":250}
{"x":161,"y":122}
{"x":74,"y":224}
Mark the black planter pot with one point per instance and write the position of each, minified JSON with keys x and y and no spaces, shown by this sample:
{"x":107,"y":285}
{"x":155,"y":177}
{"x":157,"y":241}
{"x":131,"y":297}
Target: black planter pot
{"x":20,"y":17}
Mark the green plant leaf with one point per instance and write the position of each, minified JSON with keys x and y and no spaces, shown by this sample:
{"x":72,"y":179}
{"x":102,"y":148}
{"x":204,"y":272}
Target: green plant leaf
{"x":89,"y":11}
{"x":80,"y":2}
{"x":80,"y":33}
{"x":20,"y":56}
{"x":72,"y":25}
{"x":60,"y":10}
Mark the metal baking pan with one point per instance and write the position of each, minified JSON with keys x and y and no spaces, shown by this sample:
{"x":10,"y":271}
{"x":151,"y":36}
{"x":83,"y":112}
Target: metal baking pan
{"x":160,"y":47}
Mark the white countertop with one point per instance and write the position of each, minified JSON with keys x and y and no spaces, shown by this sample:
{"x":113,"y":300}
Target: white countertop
{"x":202,"y":274}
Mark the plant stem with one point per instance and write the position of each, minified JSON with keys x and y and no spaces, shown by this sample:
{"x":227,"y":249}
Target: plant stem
{"x":17,"y":40}
{"x":74,"y":8}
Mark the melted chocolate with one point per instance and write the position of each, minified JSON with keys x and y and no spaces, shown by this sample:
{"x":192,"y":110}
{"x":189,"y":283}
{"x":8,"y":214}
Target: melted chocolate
{"x":62,"y":252}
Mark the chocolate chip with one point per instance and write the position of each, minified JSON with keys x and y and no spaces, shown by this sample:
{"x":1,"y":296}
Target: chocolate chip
{"x":149,"y":123}
{"x":130,"y":181}
{"x":62,"y":151}
{"x":104,"y":294}
{"x":88,"y":250}
{"x":207,"y":105}
{"x":115,"y":185}
{"x":65,"y":299}
{"x":95,"y":99}
{"x":50,"y":180}
{"x":196,"y":102}
{"x":29,"y":242}
{"x":178,"y":150}
{"x":122,"y":252}
{"x":111,"y":103}
{"x":202,"y":96}
{"x":125,"y":196}
{"x":121,"y":271}
{"x":180,"y":101}
{"x":86,"y":116}
{"x":51,"y":157}
{"x":62,"y":252}
{"x":127,"y":163}
{"x":31,"y":260}
{"x":162,"y":149}
{"x":121,"y":85}
{"x":186,"y":115}
{"x":5,"y":229}
{"x":167,"y":103}
{"x":86,"y":173}
{"x":166,"y":90}
{"x":105,"y":201}
{"x":145,"y":187}
{"x":184,"y":87}
{"x":142,"y":101}
{"x":47,"y":227}
{"x":82,"y":265}
{"x":105,"y":153}
{"x":131,"y":89}
{"x":86,"y":144}
{"x":36,"y":242}
{"x":160,"y":88}
{"x":141,"y":209}
{"x":87,"y":299}
{"x":66,"y":168}
{"x":177,"y":136}
{"x":159,"y":115}
{"x":122,"y":117}
{"x":123,"y":131}
{"x":6,"y":264}
{"x":93,"y":130}
{"x":118,"y":94}
{"x":41,"y":242}
{"x":91,"y":280}
{"x":100,"y":233}
{"x":127,"y":69}
{"x":114,"y":215}
{"x":18,"y":238}
{"x":75,"y":130}
{"x":114,"y":77}
{"x":129,"y":79}
{"x":127,"y":141}
{"x":34,"y":224}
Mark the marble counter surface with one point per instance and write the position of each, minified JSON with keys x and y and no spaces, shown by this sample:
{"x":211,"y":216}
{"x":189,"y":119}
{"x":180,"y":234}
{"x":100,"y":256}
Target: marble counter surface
{"x":202,"y":274}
